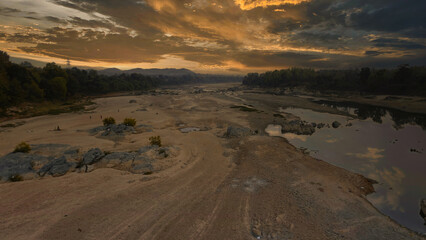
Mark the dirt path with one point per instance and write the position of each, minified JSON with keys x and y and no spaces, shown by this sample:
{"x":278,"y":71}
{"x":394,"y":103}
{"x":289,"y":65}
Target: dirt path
{"x":217,"y":188}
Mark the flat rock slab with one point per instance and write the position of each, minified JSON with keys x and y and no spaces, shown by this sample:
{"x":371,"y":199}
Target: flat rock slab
{"x":19,"y":164}
{"x":234,"y":132}
{"x":189,"y":129}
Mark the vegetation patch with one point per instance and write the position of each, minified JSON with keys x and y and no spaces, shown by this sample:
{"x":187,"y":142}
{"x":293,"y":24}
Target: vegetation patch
{"x":278,"y":115}
{"x":16,"y":178}
{"x":23,"y":147}
{"x":108,"y":121}
{"x":129,"y":122}
{"x":155,"y":140}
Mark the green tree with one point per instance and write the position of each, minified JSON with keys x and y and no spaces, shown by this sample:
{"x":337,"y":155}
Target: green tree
{"x":51,"y":70}
{"x":56,"y":88}
{"x":4,"y":58}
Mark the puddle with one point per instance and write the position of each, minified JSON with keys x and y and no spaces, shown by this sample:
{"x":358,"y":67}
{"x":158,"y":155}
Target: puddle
{"x":386,"y":145}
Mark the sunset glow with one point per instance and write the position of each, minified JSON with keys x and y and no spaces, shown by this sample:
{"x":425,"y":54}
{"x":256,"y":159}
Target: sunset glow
{"x":224,"y":36}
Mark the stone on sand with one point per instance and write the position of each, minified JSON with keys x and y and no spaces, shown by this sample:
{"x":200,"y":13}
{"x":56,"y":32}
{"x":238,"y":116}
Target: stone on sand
{"x":92,"y":156}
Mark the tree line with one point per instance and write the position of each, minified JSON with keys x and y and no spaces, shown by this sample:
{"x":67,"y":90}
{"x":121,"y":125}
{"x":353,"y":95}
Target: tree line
{"x":24,"y":83}
{"x":404,"y":80}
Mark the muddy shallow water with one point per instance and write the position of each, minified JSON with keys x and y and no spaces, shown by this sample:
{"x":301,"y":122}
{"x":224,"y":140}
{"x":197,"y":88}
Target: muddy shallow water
{"x":379,"y":143}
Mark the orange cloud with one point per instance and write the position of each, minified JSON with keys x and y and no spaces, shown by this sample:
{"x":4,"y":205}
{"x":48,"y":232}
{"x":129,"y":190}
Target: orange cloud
{"x":250,"y":4}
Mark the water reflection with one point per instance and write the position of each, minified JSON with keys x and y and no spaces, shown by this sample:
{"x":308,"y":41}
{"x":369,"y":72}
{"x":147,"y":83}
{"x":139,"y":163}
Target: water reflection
{"x":378,"y":146}
{"x":389,"y":199}
{"x":364,"y":111}
{"x":372,"y":154}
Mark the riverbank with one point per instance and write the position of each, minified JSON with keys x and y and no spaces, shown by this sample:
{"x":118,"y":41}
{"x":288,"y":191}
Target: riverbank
{"x":219,"y":183}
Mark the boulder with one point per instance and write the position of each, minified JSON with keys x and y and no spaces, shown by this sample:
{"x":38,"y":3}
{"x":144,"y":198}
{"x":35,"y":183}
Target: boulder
{"x":119,"y":129}
{"x":57,"y":167}
{"x":234,"y":132}
{"x":298,"y":127}
{"x":423,"y":209}
{"x":336,"y":124}
{"x":112,"y":130}
{"x":20,"y":164}
{"x":92,"y":156}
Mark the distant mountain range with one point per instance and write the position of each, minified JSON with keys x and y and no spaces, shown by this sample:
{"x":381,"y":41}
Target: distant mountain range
{"x":149,"y":72}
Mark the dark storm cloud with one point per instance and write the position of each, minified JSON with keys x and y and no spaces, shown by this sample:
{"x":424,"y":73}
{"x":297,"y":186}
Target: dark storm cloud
{"x":391,"y":16}
{"x":374,"y":53}
{"x":394,"y":16}
{"x":55,"y":19}
{"x":397,"y":44}
{"x":284,"y":25}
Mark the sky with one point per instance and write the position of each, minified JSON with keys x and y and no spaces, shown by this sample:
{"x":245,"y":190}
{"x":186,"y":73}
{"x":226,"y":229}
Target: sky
{"x":223,"y":36}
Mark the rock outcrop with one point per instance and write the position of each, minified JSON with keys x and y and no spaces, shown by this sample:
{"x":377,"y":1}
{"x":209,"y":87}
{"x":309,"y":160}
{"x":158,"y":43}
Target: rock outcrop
{"x":24,"y":166}
{"x":117,"y":159}
{"x":112,"y":130}
{"x":92,"y":156}
{"x":235,"y":132}
{"x":298,"y":127}
{"x":336,"y":124}
{"x":57,"y":167}
{"x":20,"y":164}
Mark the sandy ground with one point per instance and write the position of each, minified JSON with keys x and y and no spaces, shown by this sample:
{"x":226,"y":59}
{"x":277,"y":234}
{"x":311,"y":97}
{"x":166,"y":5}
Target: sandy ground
{"x":214,"y":188}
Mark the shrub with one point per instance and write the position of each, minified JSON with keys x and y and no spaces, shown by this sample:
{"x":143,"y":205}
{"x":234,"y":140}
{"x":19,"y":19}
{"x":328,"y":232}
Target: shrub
{"x":129,"y":122}
{"x":16,"y":178}
{"x":155,"y":140}
{"x":23,"y":147}
{"x":108,"y":121}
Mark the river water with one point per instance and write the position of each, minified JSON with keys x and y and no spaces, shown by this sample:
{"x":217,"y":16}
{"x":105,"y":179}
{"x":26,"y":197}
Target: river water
{"x":386,"y":145}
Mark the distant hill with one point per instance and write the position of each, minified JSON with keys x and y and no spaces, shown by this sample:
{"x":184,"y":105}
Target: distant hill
{"x":110,"y":71}
{"x":149,"y":72}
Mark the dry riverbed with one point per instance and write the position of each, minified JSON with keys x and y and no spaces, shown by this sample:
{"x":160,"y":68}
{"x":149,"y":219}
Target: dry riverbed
{"x":219,"y":177}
